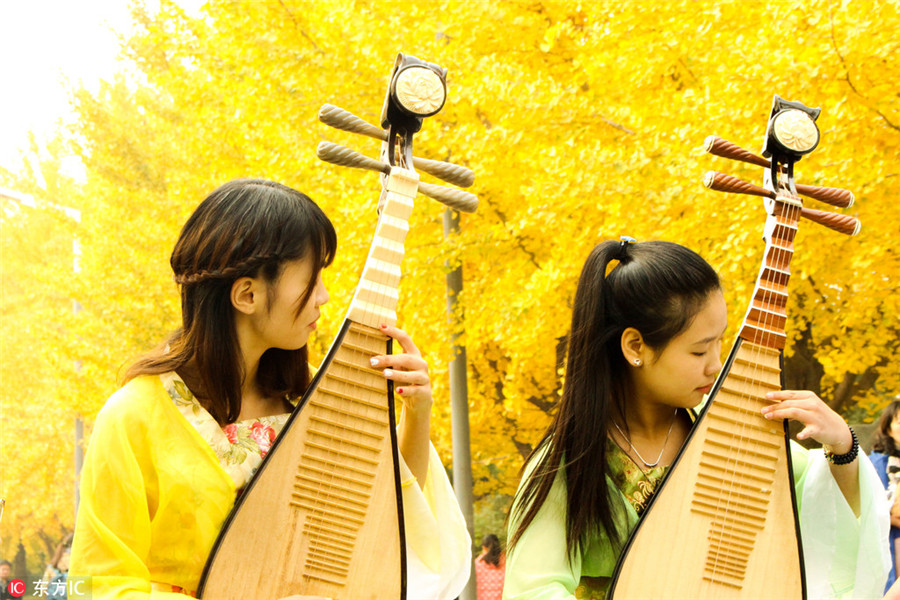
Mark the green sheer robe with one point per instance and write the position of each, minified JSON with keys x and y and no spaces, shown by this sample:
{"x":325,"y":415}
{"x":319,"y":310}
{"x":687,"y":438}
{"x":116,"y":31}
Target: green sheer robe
{"x":846,"y":556}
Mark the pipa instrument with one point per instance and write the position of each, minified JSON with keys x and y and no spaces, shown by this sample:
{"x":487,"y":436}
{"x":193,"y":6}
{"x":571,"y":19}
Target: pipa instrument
{"x":323,"y":515}
{"x":723,"y":523}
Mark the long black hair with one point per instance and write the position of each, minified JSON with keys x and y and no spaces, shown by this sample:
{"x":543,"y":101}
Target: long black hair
{"x":657,"y":288}
{"x":882,"y":440}
{"x":245,"y":228}
{"x":492,"y":543}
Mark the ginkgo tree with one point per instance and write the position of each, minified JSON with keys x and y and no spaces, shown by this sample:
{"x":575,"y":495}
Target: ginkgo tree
{"x":582,"y":121}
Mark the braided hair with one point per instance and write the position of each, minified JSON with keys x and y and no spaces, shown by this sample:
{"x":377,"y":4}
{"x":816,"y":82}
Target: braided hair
{"x":245,"y":228}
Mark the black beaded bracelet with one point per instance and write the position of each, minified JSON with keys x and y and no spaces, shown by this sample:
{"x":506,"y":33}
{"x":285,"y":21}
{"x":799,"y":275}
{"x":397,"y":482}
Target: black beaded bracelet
{"x":849,"y":457}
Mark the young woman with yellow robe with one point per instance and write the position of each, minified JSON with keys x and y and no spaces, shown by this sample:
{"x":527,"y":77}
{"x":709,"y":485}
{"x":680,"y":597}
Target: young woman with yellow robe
{"x":173,"y":447}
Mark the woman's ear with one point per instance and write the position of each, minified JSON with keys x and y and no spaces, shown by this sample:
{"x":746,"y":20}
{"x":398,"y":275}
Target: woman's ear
{"x":633,"y":346}
{"x":246,"y":295}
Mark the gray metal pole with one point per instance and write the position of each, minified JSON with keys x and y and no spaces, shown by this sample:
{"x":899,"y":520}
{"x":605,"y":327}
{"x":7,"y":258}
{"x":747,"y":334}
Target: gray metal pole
{"x":77,"y":308}
{"x":459,"y":400}
{"x":79,"y":458}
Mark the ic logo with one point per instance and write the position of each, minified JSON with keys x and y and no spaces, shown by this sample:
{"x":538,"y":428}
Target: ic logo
{"x":16,"y":588}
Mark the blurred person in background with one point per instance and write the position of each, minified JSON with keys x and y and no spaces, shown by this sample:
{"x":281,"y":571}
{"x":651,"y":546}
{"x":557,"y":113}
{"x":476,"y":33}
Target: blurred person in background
{"x":5,"y":570}
{"x":490,"y":567}
{"x":57,"y":571}
{"x":885,"y":457}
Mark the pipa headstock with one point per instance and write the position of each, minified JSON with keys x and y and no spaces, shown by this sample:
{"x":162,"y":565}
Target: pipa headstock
{"x":417,"y":90}
{"x":791,"y":133}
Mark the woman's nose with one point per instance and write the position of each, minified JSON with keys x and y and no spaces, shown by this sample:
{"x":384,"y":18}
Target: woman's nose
{"x":321,"y":293}
{"x":715,"y":365}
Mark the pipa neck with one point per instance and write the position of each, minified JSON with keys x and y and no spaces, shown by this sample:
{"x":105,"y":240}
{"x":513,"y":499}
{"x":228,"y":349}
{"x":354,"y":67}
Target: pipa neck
{"x":764,"y":323}
{"x":375,"y":301}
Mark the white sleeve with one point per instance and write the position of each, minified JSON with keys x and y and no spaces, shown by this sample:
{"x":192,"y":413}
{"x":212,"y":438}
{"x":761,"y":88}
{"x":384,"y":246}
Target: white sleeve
{"x":438,"y":546}
{"x":845,"y":557}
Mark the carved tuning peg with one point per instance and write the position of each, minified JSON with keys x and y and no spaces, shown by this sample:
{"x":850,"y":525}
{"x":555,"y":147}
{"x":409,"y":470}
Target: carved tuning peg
{"x":455,"y":199}
{"x":829,"y":195}
{"x":449,"y":172}
{"x":727,"y":183}
{"x":720,"y":147}
{"x":841,"y":223}
{"x":345,"y":157}
{"x":344,"y":120}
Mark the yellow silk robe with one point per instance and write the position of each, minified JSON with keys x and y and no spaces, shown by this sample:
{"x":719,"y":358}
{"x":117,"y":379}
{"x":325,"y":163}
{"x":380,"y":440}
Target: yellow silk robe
{"x":154,"y":497}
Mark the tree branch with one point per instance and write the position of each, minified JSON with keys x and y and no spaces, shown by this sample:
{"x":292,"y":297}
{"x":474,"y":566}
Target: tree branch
{"x":518,"y":241}
{"x":866,"y":101}
{"x":523,"y":448}
{"x":297,"y":27}
{"x":545,"y":406}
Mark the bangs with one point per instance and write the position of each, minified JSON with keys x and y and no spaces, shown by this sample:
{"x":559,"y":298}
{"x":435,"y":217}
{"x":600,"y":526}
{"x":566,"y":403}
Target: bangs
{"x":319,"y":243}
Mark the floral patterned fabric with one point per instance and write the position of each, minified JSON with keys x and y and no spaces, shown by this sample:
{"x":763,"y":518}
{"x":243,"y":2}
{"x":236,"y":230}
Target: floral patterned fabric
{"x":154,"y":495}
{"x":637,"y":486}
{"x":240,"y":447}
{"x":592,"y":588}
{"x":171,"y":589}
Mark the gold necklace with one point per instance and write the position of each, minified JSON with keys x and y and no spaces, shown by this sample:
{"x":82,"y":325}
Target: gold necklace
{"x":663,"y":449}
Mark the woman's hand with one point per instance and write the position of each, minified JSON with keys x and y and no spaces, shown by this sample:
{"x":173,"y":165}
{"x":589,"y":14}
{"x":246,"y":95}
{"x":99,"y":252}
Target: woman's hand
{"x":408,"y":371}
{"x":820,"y":422}
{"x":826,"y":427}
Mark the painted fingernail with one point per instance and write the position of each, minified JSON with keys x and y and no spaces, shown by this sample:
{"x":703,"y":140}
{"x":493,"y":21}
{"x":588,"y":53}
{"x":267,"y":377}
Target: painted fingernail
{"x":388,"y":373}
{"x":399,"y":390}
{"x":373,"y":362}
{"x":383,"y":326}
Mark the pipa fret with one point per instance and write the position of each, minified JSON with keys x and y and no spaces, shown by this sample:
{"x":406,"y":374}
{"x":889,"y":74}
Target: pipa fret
{"x":344,"y":429}
{"x":347,"y":432}
{"x":766,"y":317}
{"x":727,"y":504}
{"x":328,"y":494}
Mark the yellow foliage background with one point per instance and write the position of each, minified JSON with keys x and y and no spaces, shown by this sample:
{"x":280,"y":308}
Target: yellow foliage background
{"x":583,"y":122}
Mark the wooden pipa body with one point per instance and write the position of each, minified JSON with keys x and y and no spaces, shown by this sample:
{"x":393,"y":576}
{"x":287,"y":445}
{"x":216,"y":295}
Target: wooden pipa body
{"x":323,"y":515}
{"x":723,"y":524}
